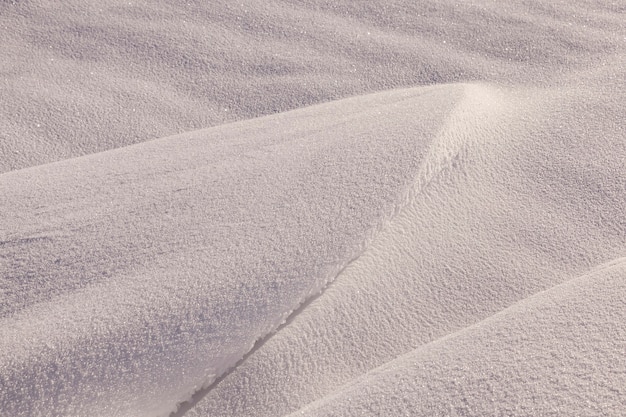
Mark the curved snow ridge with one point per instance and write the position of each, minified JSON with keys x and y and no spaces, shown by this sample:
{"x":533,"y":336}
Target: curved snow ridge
{"x":160,"y":264}
{"x":438,"y":158}
{"x":475,"y":120}
{"x":509,"y":360}
{"x":504,"y":220}
{"x":478,"y":110}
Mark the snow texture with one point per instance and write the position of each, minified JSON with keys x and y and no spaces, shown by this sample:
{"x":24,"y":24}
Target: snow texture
{"x":312,"y":208}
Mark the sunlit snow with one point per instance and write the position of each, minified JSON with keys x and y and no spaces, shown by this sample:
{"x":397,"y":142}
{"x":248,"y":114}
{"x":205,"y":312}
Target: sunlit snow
{"x":312,"y":208}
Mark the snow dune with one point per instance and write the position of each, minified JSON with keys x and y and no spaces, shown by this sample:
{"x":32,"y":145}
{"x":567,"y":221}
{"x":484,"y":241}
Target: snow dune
{"x":130,"y":269}
{"x":80,"y":76}
{"x":440,"y":232}
{"x":138,"y":276}
{"x":522,"y":204}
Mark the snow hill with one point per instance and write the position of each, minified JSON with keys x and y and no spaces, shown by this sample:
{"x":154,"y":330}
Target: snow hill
{"x":312,"y":208}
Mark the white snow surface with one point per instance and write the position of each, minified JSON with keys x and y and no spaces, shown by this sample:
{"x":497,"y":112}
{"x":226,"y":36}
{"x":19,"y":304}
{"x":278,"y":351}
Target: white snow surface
{"x":153,"y":268}
{"x":540,"y":357}
{"x":392,"y":208}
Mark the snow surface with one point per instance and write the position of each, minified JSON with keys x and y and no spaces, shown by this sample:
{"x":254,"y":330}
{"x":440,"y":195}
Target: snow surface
{"x":541,"y":357}
{"x":443,"y":233}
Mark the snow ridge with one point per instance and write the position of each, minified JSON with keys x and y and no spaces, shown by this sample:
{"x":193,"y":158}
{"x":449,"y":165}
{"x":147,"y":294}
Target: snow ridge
{"x":138,"y":288}
{"x":594,"y":297}
{"x":477,"y":110}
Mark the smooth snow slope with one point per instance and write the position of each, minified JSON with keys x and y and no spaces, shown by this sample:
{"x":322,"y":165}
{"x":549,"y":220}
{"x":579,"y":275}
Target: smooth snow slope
{"x":532,"y":194}
{"x":558,"y":353}
{"x":130,"y":278}
{"x":82,"y":76}
{"x":378,"y":255}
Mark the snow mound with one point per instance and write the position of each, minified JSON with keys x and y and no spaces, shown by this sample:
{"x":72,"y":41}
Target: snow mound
{"x":138,"y":275}
{"x":523,"y":190}
{"x":455,"y":249}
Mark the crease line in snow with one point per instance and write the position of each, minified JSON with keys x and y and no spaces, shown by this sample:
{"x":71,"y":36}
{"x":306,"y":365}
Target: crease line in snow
{"x":477,"y":106}
{"x":606,"y":266}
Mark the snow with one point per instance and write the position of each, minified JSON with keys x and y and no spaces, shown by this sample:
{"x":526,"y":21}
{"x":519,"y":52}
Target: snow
{"x":541,"y":356}
{"x":154,"y":261}
{"x":312,"y":208}
{"x":502,"y":221}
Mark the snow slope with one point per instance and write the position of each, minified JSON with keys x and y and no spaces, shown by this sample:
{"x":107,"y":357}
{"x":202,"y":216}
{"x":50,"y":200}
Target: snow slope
{"x":128,"y":269}
{"x":528,"y":199}
{"x":443,"y":233}
{"x":82,"y":76}
{"x":560,"y":352}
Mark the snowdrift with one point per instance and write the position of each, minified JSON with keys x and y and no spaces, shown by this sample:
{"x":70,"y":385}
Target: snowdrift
{"x":531,"y":195}
{"x":129,"y":269}
{"x":560,"y":352}
{"x":81,"y":76}
{"x":375,"y":208}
